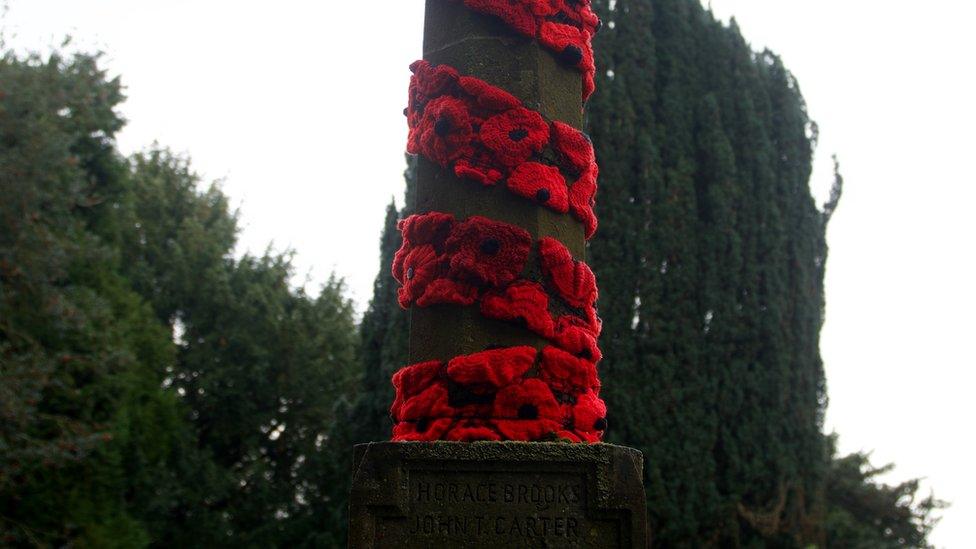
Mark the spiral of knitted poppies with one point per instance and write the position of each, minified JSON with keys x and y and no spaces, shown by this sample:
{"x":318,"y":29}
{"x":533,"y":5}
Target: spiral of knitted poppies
{"x":485,"y":134}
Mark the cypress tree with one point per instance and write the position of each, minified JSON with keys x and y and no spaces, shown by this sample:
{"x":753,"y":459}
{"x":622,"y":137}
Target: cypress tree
{"x":710,"y":258}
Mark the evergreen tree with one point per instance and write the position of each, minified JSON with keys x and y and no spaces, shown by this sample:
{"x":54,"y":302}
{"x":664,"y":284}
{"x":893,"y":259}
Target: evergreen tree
{"x":862,"y":513}
{"x":710,"y":260}
{"x":88,"y":440}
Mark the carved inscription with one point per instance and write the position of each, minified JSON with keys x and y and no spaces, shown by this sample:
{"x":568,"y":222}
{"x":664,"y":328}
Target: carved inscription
{"x":474,"y":509}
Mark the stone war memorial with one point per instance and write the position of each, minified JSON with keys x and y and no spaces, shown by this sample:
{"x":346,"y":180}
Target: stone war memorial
{"x":498,"y":420}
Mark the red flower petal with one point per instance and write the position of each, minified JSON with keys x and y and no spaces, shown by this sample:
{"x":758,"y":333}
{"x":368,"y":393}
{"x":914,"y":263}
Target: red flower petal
{"x":567,"y":373}
{"x":573,"y":280}
{"x":418,"y":269}
{"x":447,"y":291}
{"x":422,"y":430}
{"x":541,"y":183}
{"x":409,"y":381}
{"x":574,"y":336}
{"x":515,"y":135}
{"x":497,"y":367}
{"x":530,"y":400}
{"x":582,"y":198}
{"x":487,"y":251}
{"x":527,"y":430}
{"x":573,"y":146}
{"x":590,"y":414}
{"x":488,"y":96}
{"x":470,"y":430}
{"x":430,"y":403}
{"x":523,"y":302}
{"x":445,"y":131}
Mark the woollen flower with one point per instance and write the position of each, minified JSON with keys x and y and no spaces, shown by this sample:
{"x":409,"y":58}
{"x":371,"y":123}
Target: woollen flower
{"x":487,"y":251}
{"x":515,"y":135}
{"x":445,"y":131}
{"x":540,"y":183}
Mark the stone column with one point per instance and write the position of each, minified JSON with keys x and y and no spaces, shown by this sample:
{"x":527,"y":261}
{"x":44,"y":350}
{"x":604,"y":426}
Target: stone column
{"x":485,"y":48}
{"x":494,"y":494}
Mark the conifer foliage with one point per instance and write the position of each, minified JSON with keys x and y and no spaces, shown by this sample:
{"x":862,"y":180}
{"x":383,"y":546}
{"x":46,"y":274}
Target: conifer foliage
{"x":711,"y":253}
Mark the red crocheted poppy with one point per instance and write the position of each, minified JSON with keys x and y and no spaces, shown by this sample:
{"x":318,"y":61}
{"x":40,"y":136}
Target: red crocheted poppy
{"x":419,"y":268}
{"x":590,"y":414}
{"x":492,"y":369}
{"x":430,"y":79}
{"x":470,"y":430}
{"x":487,"y":96}
{"x":573,"y":49}
{"x":411,"y":380}
{"x":541,"y":183}
{"x":428,"y":228}
{"x":515,"y":135}
{"x":526,"y":411}
{"x":531,"y":399}
{"x":487,"y":251}
{"x":517,"y":14}
{"x":421,"y":430}
{"x":432,"y":402}
{"x":580,"y":12}
{"x":582,"y":197}
{"x":575,"y":336}
{"x":566,"y":373}
{"x":444,"y":132}
{"x":573,"y":280}
{"x":574,"y":147}
{"x":522,"y":302}
{"x":445,"y":291}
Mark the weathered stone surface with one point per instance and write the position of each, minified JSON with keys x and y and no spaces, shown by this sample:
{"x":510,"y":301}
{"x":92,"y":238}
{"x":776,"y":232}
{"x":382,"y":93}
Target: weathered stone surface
{"x":482,"y":46}
{"x":496,"y":494}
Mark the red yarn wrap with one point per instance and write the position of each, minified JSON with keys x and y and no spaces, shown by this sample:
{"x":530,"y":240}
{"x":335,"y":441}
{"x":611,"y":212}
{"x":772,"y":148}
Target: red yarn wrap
{"x":565,"y":27}
{"x":485,"y":134}
{"x":515,"y":393}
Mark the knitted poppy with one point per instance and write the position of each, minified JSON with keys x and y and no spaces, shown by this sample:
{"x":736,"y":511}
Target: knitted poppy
{"x":419,"y":268}
{"x":526,"y":411}
{"x":541,"y":183}
{"x":421,"y":430}
{"x":445,"y":131}
{"x":582,"y":197}
{"x":523,"y":302}
{"x":496,"y":368}
{"x":431,"y":80}
{"x":573,"y":280}
{"x":573,"y":49}
{"x":445,"y":291}
{"x":488,"y":96}
{"x":579,"y":12}
{"x":432,"y":402}
{"x":590,"y":414}
{"x":566,"y":373}
{"x":574,"y":147}
{"x":410,"y":381}
{"x":515,"y":135}
{"x":530,"y":399}
{"x":428,"y":228}
{"x":517,"y":14}
{"x":470,"y":430}
{"x":574,"y":335}
{"x":487,"y":251}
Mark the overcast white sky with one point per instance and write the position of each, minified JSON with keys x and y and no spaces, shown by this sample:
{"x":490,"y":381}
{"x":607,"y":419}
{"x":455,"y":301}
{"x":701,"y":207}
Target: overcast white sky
{"x":297,"y":105}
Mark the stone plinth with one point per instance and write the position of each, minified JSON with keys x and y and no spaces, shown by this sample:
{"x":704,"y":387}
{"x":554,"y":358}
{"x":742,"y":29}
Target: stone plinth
{"x":497,"y":495}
